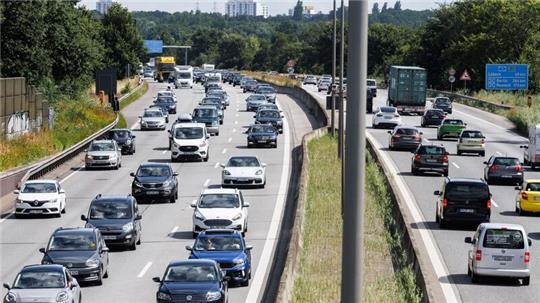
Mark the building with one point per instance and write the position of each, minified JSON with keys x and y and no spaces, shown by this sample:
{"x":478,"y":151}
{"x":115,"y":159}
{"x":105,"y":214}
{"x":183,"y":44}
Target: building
{"x":234,"y":8}
{"x":102,"y":6}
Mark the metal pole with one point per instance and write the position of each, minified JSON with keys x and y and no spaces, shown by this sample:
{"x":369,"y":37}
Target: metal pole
{"x":333,"y":115}
{"x":341,"y":74}
{"x":353,"y":218}
{"x":185,"y":56}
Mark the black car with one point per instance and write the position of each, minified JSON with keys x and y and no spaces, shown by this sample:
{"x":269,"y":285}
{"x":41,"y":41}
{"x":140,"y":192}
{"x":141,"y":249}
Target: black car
{"x":193,"y":281}
{"x":269,"y":116}
{"x":430,"y":158}
{"x":262,"y":134}
{"x":155,"y":181}
{"x":443,"y":103}
{"x":117,"y":218}
{"x":463,"y":199}
{"x":503,"y":170}
{"x":81,"y":250}
{"x":236,"y":80}
{"x":404,"y":137}
{"x":124,"y":138}
{"x":432,"y":117}
{"x":166,"y":103}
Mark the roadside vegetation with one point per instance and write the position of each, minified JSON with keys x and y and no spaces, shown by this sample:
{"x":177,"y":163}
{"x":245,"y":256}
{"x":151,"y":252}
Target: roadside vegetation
{"x":318,"y":277}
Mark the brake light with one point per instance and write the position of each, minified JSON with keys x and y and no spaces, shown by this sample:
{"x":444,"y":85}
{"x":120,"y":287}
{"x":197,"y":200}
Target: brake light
{"x":417,"y":157}
{"x":397,"y":135}
{"x":493,"y":168}
{"x":444,"y":202}
{"x":488,"y":204}
{"x":396,"y":116}
{"x":519,"y":168}
{"x":445,"y":158}
{"x":524,"y":196}
{"x":527,"y":257}
{"x":478,"y":255}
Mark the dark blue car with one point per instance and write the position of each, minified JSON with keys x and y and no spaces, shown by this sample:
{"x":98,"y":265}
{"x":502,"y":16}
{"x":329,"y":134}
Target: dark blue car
{"x":228,"y":248}
{"x":192,"y":281}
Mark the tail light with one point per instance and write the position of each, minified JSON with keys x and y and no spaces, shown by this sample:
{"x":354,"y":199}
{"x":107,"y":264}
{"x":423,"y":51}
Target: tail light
{"x":493,"y":168}
{"x":445,"y":158}
{"x":524,"y":196}
{"x":519,"y":168}
{"x":444,"y":202}
{"x":488,"y":203}
{"x":396,"y":116}
{"x":478,"y":255}
{"x":417,"y":157}
{"x":527,"y":257}
{"x":397,"y":136}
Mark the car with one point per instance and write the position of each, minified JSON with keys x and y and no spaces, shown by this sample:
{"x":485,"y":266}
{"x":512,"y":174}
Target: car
{"x":243,"y":171}
{"x":503,"y":170}
{"x":386,"y":116}
{"x":531,"y":154}
{"x":269,"y":116}
{"x":471,"y":141}
{"x":236,"y":80}
{"x":528,"y":197}
{"x":432,"y":117}
{"x":164,"y":111}
{"x":443,"y":103}
{"x":244,"y":80}
{"x":220,"y":208}
{"x":254,"y":101}
{"x":229,"y":249}
{"x":155,"y":181}
{"x":44,"y":283}
{"x":153,"y":118}
{"x":462,"y":200}
{"x":221,"y":94}
{"x":166,"y":103}
{"x":40,"y":197}
{"x":266,"y":106}
{"x":499,"y":250}
{"x":190,"y":141}
{"x":310,"y":79}
{"x":200,"y":280}
{"x":404,"y":137}
{"x":103,"y":153}
{"x":268,"y":91}
{"x":324,"y":85}
{"x":450,"y":128}
{"x":262,"y":85}
{"x":262,"y":134}
{"x":250,"y":85}
{"x":184,"y":118}
{"x":117,"y":218}
{"x":211,"y":85}
{"x":81,"y":250}
{"x":209,"y":116}
{"x":215,"y":102}
{"x":326,"y":77}
{"x":169,"y":93}
{"x":124,"y":138}
{"x":148,"y":74}
{"x":372,"y":85}
{"x":430,"y":158}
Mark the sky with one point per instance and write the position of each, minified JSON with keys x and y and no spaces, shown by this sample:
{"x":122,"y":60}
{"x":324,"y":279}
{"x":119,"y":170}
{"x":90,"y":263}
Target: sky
{"x":275,"y":7}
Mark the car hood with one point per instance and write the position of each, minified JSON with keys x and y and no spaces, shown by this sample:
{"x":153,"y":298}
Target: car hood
{"x":36,"y":295}
{"x":191,"y":288}
{"x":71,"y":256}
{"x":37,"y":196}
{"x":153,"y":119}
{"x":107,"y":224}
{"x":242,"y":171}
{"x":152,"y":179}
{"x":218,"y":256}
{"x":262,"y":134}
{"x":219,"y":213}
{"x":101,"y":153}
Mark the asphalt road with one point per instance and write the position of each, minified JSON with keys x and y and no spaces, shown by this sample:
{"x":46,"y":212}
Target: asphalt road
{"x":501,"y":140}
{"x":167,"y":227}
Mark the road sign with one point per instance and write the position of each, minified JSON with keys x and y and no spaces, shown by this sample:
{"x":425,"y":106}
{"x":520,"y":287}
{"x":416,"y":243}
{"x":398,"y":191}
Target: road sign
{"x":290,"y":70}
{"x":507,"y":76}
{"x":452,"y":79}
{"x":153,"y":46}
{"x":465,"y":76}
{"x":451,"y":72}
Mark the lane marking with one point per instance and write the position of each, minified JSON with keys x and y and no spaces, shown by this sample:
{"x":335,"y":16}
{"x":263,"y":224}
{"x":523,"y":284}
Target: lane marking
{"x":235,"y":122}
{"x":174,"y":230}
{"x":237,"y":115}
{"x":71,"y":175}
{"x":498,"y":153}
{"x":454,"y":163}
{"x":165,"y":151}
{"x":6,"y":217}
{"x":486,"y":121}
{"x":230,"y":140}
{"x":234,"y":130}
{"x":206,"y":182}
{"x":224,"y":151}
{"x":217,"y":165}
{"x":494,"y":203}
{"x":144,"y":270}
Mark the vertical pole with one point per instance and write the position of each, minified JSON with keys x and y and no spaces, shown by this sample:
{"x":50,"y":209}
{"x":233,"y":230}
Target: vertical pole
{"x":353,"y":214}
{"x":185,"y":56}
{"x":333,"y":115}
{"x":341,"y":75}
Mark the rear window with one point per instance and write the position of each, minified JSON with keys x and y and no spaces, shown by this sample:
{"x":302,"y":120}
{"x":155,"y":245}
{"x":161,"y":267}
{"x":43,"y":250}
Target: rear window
{"x":407,"y":131}
{"x":504,"y":238}
{"x":431,"y":150}
{"x":470,"y":190}
{"x":506,"y":161}
{"x":453,"y":122}
{"x":385,"y":109}
{"x":472,"y":134}
{"x":533,"y":187}
{"x":438,"y":113}
{"x":442,"y":101}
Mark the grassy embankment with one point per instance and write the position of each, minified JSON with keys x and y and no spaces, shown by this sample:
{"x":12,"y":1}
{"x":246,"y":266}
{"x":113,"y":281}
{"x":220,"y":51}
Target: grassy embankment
{"x":319,"y":275}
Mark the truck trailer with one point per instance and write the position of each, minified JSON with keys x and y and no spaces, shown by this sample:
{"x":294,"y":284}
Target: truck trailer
{"x":407,"y":89}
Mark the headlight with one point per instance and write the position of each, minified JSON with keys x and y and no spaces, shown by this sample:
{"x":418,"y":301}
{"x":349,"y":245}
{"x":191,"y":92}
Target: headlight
{"x":226,"y":172}
{"x":239,"y":261}
{"x":203,"y":144}
{"x":198,"y":215}
{"x":11,"y":297}
{"x":88,"y":157}
{"x":128,"y":141}
{"x":53,"y":200}
{"x":163,"y":296}
{"x":127,"y":227}
{"x":143,"y":122}
{"x":213,"y":295}
{"x":137,"y":183}
{"x":62,"y":296}
{"x":92,"y":262}
{"x":238,"y":216}
{"x":279,"y":122}
{"x":167,"y":183}
{"x":18,"y":201}
{"x":259,"y":172}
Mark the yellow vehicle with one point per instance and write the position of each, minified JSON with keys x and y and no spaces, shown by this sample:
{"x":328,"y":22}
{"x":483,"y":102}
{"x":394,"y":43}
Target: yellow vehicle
{"x":164,"y":68}
{"x":528,"y":197}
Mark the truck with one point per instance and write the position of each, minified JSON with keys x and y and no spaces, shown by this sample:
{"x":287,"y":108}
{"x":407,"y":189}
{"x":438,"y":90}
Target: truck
{"x":183,"y":76}
{"x":407,"y":89}
{"x":164,"y":68}
{"x":531,"y":155}
{"x":208,"y":67}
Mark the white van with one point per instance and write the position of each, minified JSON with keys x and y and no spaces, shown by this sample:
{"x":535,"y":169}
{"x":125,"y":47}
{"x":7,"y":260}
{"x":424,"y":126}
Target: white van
{"x":531,"y":156}
{"x":190,"y":142}
{"x":183,"y":76}
{"x":499,"y":250}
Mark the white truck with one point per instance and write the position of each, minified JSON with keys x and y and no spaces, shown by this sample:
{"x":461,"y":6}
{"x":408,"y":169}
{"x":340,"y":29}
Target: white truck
{"x":183,"y":76}
{"x":208,"y":67}
{"x":531,"y":155}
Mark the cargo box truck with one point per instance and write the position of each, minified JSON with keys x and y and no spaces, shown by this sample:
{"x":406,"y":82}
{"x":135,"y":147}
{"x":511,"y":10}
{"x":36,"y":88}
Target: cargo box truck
{"x":407,"y":89}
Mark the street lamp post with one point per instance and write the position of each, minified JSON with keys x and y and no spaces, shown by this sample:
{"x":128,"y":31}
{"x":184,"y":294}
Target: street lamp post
{"x":333,"y":115}
{"x":341,"y":134}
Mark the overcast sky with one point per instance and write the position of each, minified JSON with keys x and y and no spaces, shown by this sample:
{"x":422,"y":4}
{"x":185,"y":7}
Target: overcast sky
{"x":275,"y":7}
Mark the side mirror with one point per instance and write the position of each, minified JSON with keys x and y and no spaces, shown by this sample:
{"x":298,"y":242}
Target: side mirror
{"x":222,"y":165}
{"x":468,"y":240}
{"x":138,"y":217}
{"x":390,"y":132}
{"x":16,"y":191}
{"x":254,"y":116}
{"x":421,"y":133}
{"x":246,"y":204}
{"x":42,"y":250}
{"x":193,"y":204}
{"x":529,"y":241}
{"x":485,"y":162}
{"x":132,"y":174}
{"x":62,"y":191}
{"x":6,"y":286}
{"x":249,"y":247}
{"x":105,"y":249}
{"x":156,"y":279}
{"x":263,"y":164}
{"x":175,"y":174}
{"x":84,"y":218}
{"x":207,"y":136}
{"x":189,"y":248}
{"x":517,"y":188}
{"x":169,"y":131}
{"x":437,"y":193}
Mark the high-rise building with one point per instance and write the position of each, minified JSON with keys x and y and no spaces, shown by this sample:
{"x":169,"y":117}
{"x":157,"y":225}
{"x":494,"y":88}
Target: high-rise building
{"x":234,"y":8}
{"x":102,"y":6}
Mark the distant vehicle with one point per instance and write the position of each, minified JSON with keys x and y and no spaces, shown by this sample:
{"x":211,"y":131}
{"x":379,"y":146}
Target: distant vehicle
{"x":153,"y":119}
{"x":155,"y":181}
{"x":183,"y":76}
{"x":443,"y":103}
{"x":214,"y":102}
{"x":45,"y":197}
{"x":166,"y":94}
{"x":209,"y":116}
{"x":49,"y":283}
{"x":450,"y":128}
{"x":222,"y":94}
{"x":372,"y":85}
{"x":471,"y":141}
{"x":430,"y":158}
{"x":212,"y":85}
{"x":124,"y":138}
{"x":250,"y":86}
{"x":212,"y":78}
{"x":164,"y":68}
{"x":310,"y":79}
{"x":324,"y":85}
{"x":499,"y":250}
{"x":432,"y":117}
{"x":503,"y":169}
{"x":262,"y":134}
{"x":103,"y":153}
{"x":404,"y":137}
{"x":81,"y":250}
{"x":407,"y":89}
{"x":273,"y":117}
{"x":163,"y":109}
{"x":166,"y":103}
{"x":148,"y":73}
{"x":236,"y":79}
{"x":528,"y":197}
{"x":254,"y":101}
{"x":189,"y":141}
{"x":386,"y":116}
{"x":243,"y":171}
{"x":269,"y":92}
{"x":208,"y":67}
{"x":531,"y":156}
{"x":267,"y":106}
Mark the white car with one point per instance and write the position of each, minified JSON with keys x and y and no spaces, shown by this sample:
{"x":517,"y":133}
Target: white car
{"x":40,"y":197}
{"x":153,"y":118}
{"x":324,"y":85}
{"x":189,"y":141}
{"x":220,"y":208}
{"x":166,"y":93}
{"x":243,"y":171}
{"x":386,"y":116}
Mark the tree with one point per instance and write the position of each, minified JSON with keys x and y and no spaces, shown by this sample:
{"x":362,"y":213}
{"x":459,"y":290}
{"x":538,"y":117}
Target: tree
{"x":397,"y":5}
{"x":298,"y":11}
{"x":375,"y":9}
{"x":384,"y":7}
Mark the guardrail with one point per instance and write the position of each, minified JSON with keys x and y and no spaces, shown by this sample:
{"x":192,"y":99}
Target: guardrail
{"x":467,"y":100}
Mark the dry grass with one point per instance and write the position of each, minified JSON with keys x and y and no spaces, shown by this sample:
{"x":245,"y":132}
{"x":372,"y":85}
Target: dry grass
{"x":275,"y":79}
{"x":121,"y":87}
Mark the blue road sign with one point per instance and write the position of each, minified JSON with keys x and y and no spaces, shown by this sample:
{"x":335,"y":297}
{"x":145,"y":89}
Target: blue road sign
{"x":153,"y":46}
{"x":507,"y":76}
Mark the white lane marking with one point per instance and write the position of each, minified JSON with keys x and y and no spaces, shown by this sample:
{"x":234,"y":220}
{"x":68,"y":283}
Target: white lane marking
{"x":217,"y":165}
{"x":134,"y":125}
{"x":224,"y":151}
{"x":6,"y":217}
{"x":174,"y":230}
{"x":165,"y":151}
{"x":483,"y":121}
{"x":230,"y":140}
{"x":272,"y":235}
{"x":433,"y":251}
{"x":144,"y":270}
{"x":235,"y":122}
{"x":454,"y":163}
{"x":494,"y":203}
{"x":71,"y":175}
{"x":498,"y":153}
{"x":206,"y":182}
{"x":234,"y":130}
{"x":237,"y":115}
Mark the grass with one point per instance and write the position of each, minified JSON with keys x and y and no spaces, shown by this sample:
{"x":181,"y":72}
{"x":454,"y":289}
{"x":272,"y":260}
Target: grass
{"x":318,"y":277}
{"x":135,"y":96}
{"x":278,"y":80}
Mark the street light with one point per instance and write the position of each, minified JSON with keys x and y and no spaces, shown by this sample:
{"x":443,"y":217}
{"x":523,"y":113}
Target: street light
{"x":341,"y":127}
{"x":333,"y":116}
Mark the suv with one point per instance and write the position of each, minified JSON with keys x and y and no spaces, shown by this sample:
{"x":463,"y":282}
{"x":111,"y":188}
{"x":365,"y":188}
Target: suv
{"x":117,"y":218}
{"x":189,"y":141}
{"x":443,"y":103}
{"x":209,"y":116}
{"x":432,"y":117}
{"x":270,"y":116}
{"x":125,"y":138}
{"x":372,"y":86}
{"x":81,"y":250}
{"x":463,"y":199}
{"x":261,"y":134}
{"x":404,"y":137}
{"x":103,"y":153}
{"x":430,"y":158}
{"x":155,"y":181}
{"x":40,"y":197}
{"x":471,"y":141}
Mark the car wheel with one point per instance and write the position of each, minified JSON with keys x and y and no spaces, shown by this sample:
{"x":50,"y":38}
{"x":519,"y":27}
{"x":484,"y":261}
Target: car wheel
{"x":468,"y":271}
{"x":106,"y":275}
{"x":172,"y":199}
{"x":133,"y":246}
{"x":458,"y":152}
{"x":475,"y":278}
{"x":442,"y":223}
{"x":217,"y":134}
{"x":64,"y":209}
{"x":194,"y":235}
{"x":437,"y":218}
{"x":483,"y":154}
{"x":100,"y":277}
{"x":439,"y":137}
{"x":139,"y":240}
{"x":246,"y":282}
{"x":533,"y":166}
{"x":414,"y":171}
{"x":519,"y":211}
{"x":445,"y":173}
{"x":526,"y":281}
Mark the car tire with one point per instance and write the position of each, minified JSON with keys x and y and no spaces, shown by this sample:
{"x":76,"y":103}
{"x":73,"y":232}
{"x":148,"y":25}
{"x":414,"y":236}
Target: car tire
{"x":519,"y":212}
{"x":106,"y":275}
{"x":458,"y":152}
{"x":483,"y":154}
{"x":64,"y":209}
{"x":172,"y":199}
{"x":445,"y":173}
{"x":468,"y":271}
{"x":439,"y":137}
{"x":217,"y":134}
{"x":442,"y":223}
{"x":100,"y":277}
{"x":437,"y":218}
{"x":414,"y":171}
{"x":139,"y":240}
{"x":246,"y":282}
{"x":194,"y":235}
{"x":475,"y":278}
{"x":526,"y":281}
{"x":207,"y":158}
{"x":133,"y":246}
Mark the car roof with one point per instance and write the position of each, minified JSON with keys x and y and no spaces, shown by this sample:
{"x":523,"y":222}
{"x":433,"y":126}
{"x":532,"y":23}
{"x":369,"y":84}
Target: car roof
{"x":153,"y":164}
{"x":179,"y":125}
{"x":209,"y":191}
{"x":74,"y":230}
{"x":40,"y":181}
{"x":43,"y":268}
{"x":502,"y":225}
{"x":193,"y":262}
{"x":532,"y":180}
{"x":461,"y":179}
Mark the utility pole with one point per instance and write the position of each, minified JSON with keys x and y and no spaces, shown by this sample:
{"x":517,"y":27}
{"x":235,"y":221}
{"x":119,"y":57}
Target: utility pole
{"x":333,"y":115}
{"x":185,"y":56}
{"x":341,"y":134}
{"x":353,"y":212}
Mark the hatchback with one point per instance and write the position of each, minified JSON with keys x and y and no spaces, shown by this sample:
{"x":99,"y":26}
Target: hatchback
{"x":430,"y":158}
{"x":432,"y":117}
{"x":528,"y":197}
{"x":103,"y":153}
{"x":443,"y":103}
{"x":505,"y":170}
{"x":386,"y":116}
{"x":40,"y":197}
{"x":471,"y":141}
{"x":404,"y":137}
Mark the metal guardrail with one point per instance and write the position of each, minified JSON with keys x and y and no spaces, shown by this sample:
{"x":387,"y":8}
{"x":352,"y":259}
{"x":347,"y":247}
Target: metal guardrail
{"x":467,"y":100}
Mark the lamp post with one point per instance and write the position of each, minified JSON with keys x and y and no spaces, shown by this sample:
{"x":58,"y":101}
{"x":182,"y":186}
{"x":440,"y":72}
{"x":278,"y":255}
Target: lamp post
{"x":333,"y":115}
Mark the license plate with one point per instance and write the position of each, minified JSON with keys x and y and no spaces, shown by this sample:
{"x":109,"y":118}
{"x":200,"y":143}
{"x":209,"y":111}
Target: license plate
{"x":74,"y":272}
{"x":537,"y":198}
{"x":503,"y":258}
{"x":36,"y":211}
{"x":152,"y":192}
{"x":431,"y":160}
{"x":434,"y":117}
{"x":387,"y":118}
{"x":109,"y":237}
{"x":507,"y":177}
{"x":466,"y":210}
{"x":262,"y":141}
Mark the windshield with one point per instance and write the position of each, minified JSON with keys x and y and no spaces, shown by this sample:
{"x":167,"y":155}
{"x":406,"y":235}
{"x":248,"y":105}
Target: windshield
{"x":153,"y":113}
{"x":431,"y":150}
{"x":438,"y":113}
{"x":257,"y":97}
{"x":268,"y":106}
{"x":268,"y":114}
{"x":217,"y":243}
{"x":265,"y":90}
{"x":467,"y":190}
{"x":506,"y":161}
{"x":262,"y":129}
{"x":453,"y":122}
{"x":184,"y":75}
{"x":533,"y":187}
{"x":40,"y":279}
{"x":188,"y":133}
{"x":164,"y":94}
{"x":153,"y":171}
{"x":109,"y":146}
{"x":205,"y":112}
{"x":243,"y":162}
{"x":371,"y":83}
{"x":165,"y":100}
{"x":191,"y":273}
{"x":110,"y":210}
{"x":442,"y":101}
{"x":219,"y":201}
{"x":504,"y":239}
{"x":472,"y":134}
{"x":211,"y":100}
{"x":386,"y":109}
{"x":31,"y":188}
{"x":83,"y":241}
{"x":119,"y":134}
{"x":407,"y":131}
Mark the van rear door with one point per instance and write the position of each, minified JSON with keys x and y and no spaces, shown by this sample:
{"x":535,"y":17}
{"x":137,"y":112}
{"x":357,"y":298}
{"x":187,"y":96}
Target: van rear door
{"x":503,"y":248}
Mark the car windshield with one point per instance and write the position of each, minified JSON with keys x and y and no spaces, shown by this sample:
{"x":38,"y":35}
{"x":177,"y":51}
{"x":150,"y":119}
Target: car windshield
{"x":188,"y":133}
{"x":506,"y":161}
{"x":257,"y":97}
{"x":164,"y":94}
{"x":443,"y":101}
{"x":153,"y":113}
{"x":268,"y":114}
{"x":211,"y":100}
{"x":40,"y":279}
{"x":191,"y":273}
{"x":184,"y":75}
{"x":153,"y":171}
{"x":533,"y":187}
{"x":119,"y":134}
{"x":371,"y":83}
{"x":469,"y":190}
{"x":262,"y":129}
{"x":205,"y":112}
{"x":31,"y":188}
{"x":452,"y":122}
{"x":108,"y":146}
{"x":243,"y":162}
{"x":386,"y":109}
{"x":110,"y":210}
{"x":407,"y":131}
{"x":217,"y":243}
{"x":165,"y":100}
{"x":503,"y":239}
{"x":82,"y":241}
{"x":265,"y":90}
{"x":472,"y":134}
{"x":431,"y":150}
{"x":219,"y":201}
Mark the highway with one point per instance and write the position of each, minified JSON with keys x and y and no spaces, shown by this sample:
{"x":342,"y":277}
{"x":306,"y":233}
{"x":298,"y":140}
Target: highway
{"x":501,"y":140}
{"x":166,"y":228}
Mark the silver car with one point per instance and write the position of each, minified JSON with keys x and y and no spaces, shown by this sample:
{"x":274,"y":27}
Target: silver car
{"x":103,"y":153}
{"x":44,"y":283}
{"x":471,"y":141}
{"x":153,"y":119}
